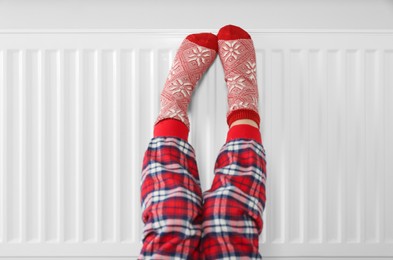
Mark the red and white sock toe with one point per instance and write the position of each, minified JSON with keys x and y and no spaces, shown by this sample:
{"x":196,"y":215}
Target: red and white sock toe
{"x":194,"y":56}
{"x":237,"y":54}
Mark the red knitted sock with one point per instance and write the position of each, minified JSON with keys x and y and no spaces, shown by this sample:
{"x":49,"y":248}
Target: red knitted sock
{"x":194,"y":56}
{"x":237,"y":54}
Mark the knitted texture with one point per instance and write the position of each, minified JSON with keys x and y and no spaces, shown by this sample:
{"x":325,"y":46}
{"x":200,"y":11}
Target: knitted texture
{"x":237,"y":54}
{"x":194,"y":56}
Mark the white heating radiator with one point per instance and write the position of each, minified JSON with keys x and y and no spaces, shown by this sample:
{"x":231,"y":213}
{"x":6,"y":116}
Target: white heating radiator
{"x":77,"y":110}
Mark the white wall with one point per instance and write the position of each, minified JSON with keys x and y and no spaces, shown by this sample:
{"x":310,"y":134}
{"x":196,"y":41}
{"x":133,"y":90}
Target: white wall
{"x":78,"y":100}
{"x":179,"y":14}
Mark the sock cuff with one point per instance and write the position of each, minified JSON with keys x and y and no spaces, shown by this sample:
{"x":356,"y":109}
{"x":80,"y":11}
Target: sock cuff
{"x":244,"y":131}
{"x":243,"y":114}
{"x":171,"y":127}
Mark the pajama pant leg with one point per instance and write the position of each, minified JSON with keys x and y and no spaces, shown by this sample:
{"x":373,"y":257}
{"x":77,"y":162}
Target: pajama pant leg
{"x":171,"y":199}
{"x":233,"y":207}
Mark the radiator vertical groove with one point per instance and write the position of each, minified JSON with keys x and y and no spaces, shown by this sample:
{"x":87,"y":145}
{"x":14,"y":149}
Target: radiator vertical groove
{"x":333,"y":182}
{"x":3,"y":140}
{"x":355,"y":146}
{"x":126,"y":163}
{"x":374,"y":154}
{"x":135,"y":137}
{"x":153,"y":76}
{"x":267,"y":135}
{"x":380,"y":181}
{"x":116,"y":147}
{"x":388,"y":216}
{"x":305,"y":165}
{"x":79,"y":150}
{"x":340,"y":147}
{"x":12,"y":151}
{"x":60,"y":144}
{"x":41,"y":143}
{"x":278,"y":185}
{"x":317,"y":117}
{"x":98,"y":72}
{"x":287,"y":143}
{"x":70,"y":176}
{"x":361,"y":191}
{"x":324,"y":149}
{"x":296,"y":88}
{"x":50,"y":148}
{"x":108,"y":134}
{"x":22,"y":144}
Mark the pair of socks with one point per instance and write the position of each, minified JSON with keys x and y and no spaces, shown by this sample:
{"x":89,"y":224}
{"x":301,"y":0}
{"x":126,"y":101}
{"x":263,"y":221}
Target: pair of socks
{"x":193,"y":58}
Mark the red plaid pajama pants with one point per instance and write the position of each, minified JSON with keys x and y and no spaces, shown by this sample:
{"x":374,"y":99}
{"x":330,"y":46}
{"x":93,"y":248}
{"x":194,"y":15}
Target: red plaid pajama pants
{"x":182,"y":223}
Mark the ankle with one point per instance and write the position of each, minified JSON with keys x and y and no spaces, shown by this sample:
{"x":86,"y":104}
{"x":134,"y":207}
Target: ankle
{"x":243,"y":114}
{"x":244,"y":122}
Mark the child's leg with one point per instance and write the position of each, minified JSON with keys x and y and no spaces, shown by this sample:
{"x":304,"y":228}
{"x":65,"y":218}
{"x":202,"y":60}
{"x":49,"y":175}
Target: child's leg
{"x":233,"y":207}
{"x":171,"y":195}
{"x":171,"y":200}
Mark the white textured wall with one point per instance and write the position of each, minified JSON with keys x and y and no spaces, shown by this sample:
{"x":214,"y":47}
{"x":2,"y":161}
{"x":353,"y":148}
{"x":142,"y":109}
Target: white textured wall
{"x":180,"y":14}
{"x":77,"y":109}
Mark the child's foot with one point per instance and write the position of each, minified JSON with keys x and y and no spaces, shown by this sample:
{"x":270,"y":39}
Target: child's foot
{"x":237,"y":54}
{"x":194,"y":56}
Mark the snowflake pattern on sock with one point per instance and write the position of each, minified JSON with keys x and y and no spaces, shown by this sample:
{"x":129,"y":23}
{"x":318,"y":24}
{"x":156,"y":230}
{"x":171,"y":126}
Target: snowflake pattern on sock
{"x":190,"y":63}
{"x":238,"y":59}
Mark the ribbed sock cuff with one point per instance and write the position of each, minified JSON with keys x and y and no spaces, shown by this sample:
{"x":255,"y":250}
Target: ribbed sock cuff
{"x":244,"y":131}
{"x":171,"y":127}
{"x":243,"y":114}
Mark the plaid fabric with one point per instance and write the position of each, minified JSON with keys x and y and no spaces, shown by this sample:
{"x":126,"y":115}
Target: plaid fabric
{"x":172,"y":207}
{"x":233,"y":207}
{"x":171,"y":199}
